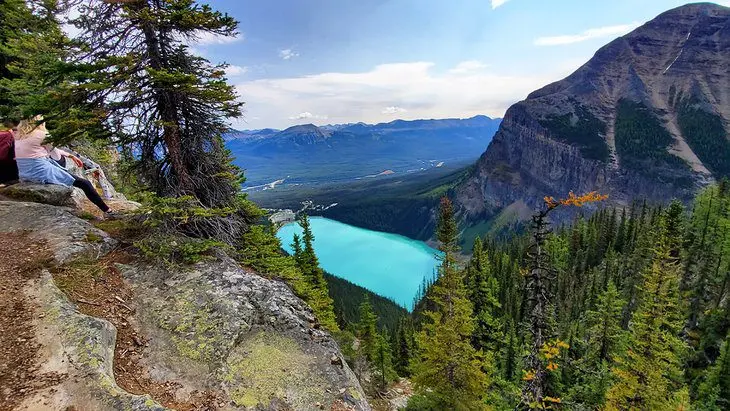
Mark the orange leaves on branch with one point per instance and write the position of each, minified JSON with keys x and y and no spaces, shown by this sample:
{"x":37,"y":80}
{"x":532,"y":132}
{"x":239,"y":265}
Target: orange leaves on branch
{"x":528,"y":375}
{"x":550,"y":202}
{"x":551,"y":350}
{"x":574,"y":200}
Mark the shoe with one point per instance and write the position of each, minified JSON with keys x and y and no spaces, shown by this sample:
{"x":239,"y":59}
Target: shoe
{"x":112,"y":215}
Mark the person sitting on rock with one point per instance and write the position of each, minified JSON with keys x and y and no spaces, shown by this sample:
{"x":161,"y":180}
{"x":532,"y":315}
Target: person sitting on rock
{"x":35,"y":165}
{"x":8,"y":168}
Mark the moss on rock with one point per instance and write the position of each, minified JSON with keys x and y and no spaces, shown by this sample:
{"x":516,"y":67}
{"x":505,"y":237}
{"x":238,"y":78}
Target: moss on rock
{"x":270,"y":366}
{"x":198,"y":334}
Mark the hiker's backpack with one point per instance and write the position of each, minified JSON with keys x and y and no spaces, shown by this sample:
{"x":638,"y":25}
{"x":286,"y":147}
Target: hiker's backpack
{"x":8,"y":167}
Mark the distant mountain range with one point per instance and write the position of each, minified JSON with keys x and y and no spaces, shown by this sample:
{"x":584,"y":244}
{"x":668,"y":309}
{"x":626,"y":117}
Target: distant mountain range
{"x":310,"y":154}
{"x":647,"y":117}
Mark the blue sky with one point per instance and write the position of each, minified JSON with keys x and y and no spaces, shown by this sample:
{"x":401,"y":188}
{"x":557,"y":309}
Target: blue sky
{"x":340,"y":61}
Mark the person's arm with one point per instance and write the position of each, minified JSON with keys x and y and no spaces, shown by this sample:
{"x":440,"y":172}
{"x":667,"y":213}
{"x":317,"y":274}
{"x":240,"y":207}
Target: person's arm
{"x":53,"y":152}
{"x":56,"y":154}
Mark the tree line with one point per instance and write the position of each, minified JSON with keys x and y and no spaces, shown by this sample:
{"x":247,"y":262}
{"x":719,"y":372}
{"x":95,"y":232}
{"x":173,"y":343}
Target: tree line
{"x":626,"y":309}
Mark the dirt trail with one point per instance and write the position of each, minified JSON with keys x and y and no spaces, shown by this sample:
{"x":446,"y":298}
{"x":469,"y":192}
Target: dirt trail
{"x":98,"y":290}
{"x":21,"y":262}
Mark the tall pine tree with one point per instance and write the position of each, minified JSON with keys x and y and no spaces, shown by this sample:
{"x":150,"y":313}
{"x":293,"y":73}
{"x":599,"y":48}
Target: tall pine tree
{"x":166,"y":107}
{"x":316,"y":290}
{"x":447,"y":368}
{"x":367,"y":330}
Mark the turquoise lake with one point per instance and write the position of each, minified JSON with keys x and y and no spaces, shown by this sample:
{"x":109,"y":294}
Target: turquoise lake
{"x":387,"y":264}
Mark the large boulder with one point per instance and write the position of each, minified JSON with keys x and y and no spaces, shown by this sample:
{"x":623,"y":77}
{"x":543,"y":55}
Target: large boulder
{"x":63,"y":196}
{"x":217,"y":325}
{"x":51,"y":194}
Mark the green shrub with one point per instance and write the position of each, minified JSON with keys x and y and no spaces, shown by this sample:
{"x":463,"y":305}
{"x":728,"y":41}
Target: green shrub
{"x":171,"y":249}
{"x":186,"y":216}
{"x":423,"y":402}
{"x":181,"y":230}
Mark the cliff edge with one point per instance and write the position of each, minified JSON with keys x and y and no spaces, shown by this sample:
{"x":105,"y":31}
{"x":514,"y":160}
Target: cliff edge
{"x":100,"y":329}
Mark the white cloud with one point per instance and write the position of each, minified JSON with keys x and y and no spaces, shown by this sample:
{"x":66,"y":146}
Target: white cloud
{"x":354,"y":97}
{"x":469,"y":66}
{"x":204,"y":38}
{"x":595,"y":33}
{"x":307,"y":115}
{"x":288,"y":54}
{"x":393,"y":110}
{"x":235,"y":71}
{"x":497,"y":3}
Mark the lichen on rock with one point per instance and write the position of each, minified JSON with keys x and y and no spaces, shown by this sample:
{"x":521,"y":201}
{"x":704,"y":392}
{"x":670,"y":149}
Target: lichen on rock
{"x":84,"y":353}
{"x":215,"y":324}
{"x":290,"y":373}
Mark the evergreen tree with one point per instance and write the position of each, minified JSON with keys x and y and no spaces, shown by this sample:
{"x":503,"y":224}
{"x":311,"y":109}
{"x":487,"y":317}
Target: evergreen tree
{"x":296,"y":246}
{"x":383,"y":361}
{"x":447,"y":368}
{"x":447,"y":232}
{"x":649,"y":373}
{"x":403,"y":346}
{"x":318,"y":292}
{"x":511,"y":353}
{"x":261,"y":250}
{"x":367,"y":331}
{"x":165,"y":106}
{"x":714,"y":392}
{"x":605,"y":339}
{"x":37,"y":73}
{"x":483,"y":289}
{"x":605,"y":335}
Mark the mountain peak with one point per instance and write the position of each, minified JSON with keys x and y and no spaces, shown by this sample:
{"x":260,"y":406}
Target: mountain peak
{"x":302,"y":128}
{"x":648,"y":116}
{"x":694,"y":8}
{"x":305,"y":134}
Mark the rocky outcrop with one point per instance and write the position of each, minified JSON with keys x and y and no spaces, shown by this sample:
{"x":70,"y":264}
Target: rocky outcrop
{"x":576,"y":134}
{"x":51,"y":194}
{"x":66,"y":236}
{"x":212,"y":327}
{"x":76,"y":347}
{"x":79,"y":348}
{"x":217,"y":326}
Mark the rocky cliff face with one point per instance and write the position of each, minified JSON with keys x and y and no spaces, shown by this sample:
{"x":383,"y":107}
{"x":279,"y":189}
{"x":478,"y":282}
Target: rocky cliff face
{"x":647,"y":117}
{"x":101,"y":332}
